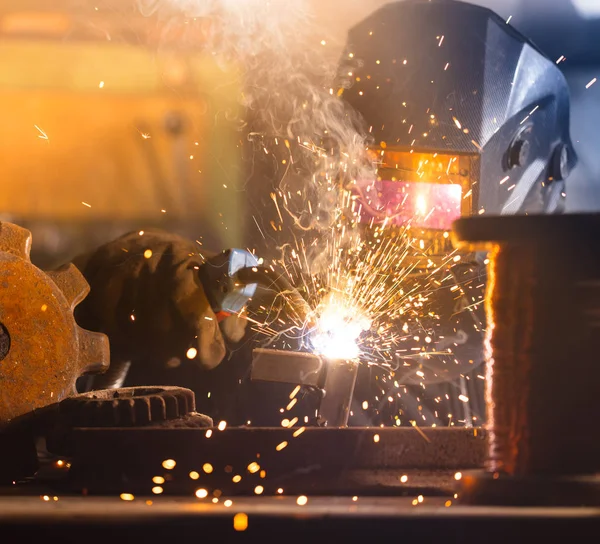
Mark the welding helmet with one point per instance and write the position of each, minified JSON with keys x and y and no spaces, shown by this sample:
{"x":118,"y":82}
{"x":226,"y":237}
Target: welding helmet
{"x":466,"y":115}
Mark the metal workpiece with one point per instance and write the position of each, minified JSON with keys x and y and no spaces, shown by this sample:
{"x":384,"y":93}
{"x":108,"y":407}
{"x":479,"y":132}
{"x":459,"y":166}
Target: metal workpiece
{"x":267,"y":519}
{"x":310,"y":460}
{"x":338,"y":390}
{"x":543,"y":380}
{"x":42,"y":349}
{"x":335,"y":379}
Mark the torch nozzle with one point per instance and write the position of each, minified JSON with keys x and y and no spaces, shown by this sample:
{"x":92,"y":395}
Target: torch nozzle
{"x":278,"y":283}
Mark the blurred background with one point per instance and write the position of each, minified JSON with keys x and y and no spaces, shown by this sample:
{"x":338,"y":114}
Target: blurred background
{"x":111,"y":122}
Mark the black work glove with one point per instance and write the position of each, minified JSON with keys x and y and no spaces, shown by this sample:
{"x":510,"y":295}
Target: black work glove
{"x":147,"y":297}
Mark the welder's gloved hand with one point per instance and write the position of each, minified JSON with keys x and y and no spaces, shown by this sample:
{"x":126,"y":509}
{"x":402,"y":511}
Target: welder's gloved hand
{"x":147,"y":297}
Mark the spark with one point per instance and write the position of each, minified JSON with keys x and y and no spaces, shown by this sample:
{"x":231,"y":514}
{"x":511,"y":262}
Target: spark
{"x":201,"y":493}
{"x":366,"y":276}
{"x":591,"y":83}
{"x":414,"y":424}
{"x":302,"y":500}
{"x":169,"y":464}
{"x":42,"y":134}
{"x":240,"y":521}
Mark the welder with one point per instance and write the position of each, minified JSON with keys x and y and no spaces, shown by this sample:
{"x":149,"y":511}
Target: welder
{"x":467,"y":117}
{"x":465,"y":114}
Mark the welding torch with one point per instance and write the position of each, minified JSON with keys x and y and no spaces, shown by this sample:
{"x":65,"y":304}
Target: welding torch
{"x":230,"y":280}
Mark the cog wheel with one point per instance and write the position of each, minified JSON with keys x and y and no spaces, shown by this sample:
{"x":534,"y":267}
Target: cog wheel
{"x":42,"y":349}
{"x":128,"y":407}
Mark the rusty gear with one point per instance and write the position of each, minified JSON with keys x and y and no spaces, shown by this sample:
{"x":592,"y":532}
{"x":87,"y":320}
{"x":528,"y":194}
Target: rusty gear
{"x":42,"y":349}
{"x":127,"y":407}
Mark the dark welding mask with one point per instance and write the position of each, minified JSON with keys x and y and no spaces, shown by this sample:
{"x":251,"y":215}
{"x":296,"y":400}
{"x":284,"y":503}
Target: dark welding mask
{"x":466,"y":116}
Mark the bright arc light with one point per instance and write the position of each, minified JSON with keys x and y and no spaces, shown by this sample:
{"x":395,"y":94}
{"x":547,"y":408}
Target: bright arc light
{"x":421,"y":205}
{"x":338,"y":330}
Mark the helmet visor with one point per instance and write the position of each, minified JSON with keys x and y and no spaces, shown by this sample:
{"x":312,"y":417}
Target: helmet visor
{"x":420,"y":190}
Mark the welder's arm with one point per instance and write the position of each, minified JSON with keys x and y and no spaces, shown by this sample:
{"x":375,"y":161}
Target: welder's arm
{"x":147,"y":296}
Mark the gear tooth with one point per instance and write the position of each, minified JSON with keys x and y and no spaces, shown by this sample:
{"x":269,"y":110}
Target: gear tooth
{"x":94,"y":352}
{"x":71,"y":282}
{"x":15,"y":240}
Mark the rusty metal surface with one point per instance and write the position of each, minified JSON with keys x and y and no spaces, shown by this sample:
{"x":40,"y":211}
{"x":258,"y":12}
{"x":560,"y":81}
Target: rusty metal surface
{"x":316,"y":460}
{"x":48,"y":351}
{"x":127,"y":407}
{"x":542,"y":307}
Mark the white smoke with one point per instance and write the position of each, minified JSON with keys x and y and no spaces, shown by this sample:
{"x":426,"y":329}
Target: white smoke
{"x":287,"y":95}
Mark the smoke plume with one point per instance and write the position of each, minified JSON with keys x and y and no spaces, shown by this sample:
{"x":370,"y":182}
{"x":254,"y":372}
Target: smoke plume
{"x":291,"y":109}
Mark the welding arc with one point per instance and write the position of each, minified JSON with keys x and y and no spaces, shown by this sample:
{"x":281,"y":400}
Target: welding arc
{"x":275,"y":282}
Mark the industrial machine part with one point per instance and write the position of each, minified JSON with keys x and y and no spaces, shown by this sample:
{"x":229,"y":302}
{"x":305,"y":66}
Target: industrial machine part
{"x":467,"y":117}
{"x":125,"y":408}
{"x":334,"y":379}
{"x":128,"y":407}
{"x":310,"y":461}
{"x":43,"y":351}
{"x":543,"y":380}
